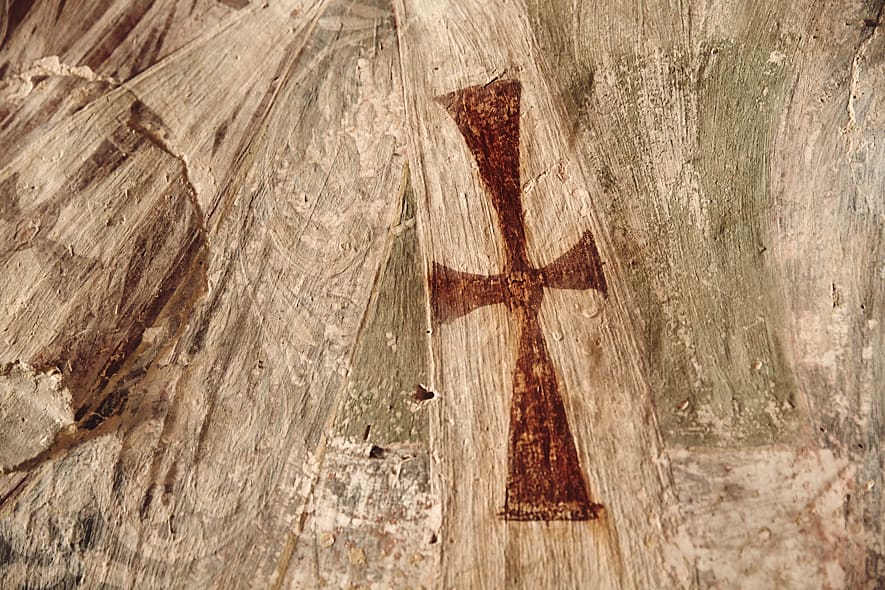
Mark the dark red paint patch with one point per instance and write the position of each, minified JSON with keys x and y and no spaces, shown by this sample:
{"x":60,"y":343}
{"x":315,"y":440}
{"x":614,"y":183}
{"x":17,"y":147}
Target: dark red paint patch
{"x":544,"y":477}
{"x":154,"y":279}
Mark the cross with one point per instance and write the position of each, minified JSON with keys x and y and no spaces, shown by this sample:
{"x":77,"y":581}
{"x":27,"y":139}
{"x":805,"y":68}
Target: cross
{"x":544,"y":478}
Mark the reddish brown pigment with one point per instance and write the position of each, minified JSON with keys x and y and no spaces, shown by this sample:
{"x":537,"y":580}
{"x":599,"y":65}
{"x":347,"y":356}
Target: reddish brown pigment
{"x":544,"y":478}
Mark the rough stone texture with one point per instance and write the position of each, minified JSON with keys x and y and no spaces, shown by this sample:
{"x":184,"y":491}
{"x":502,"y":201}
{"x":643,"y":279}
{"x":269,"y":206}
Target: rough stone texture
{"x":217,"y":223}
{"x":34,"y":407}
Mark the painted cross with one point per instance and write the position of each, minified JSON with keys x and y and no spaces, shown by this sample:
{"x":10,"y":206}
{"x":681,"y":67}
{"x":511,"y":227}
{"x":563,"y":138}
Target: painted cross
{"x":544,"y":478}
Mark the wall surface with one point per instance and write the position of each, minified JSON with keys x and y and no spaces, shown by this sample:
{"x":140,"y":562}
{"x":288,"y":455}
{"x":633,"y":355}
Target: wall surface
{"x":442,"y":294}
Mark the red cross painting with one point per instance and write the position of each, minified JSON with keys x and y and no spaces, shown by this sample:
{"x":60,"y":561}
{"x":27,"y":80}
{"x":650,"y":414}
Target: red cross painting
{"x":544,"y":477}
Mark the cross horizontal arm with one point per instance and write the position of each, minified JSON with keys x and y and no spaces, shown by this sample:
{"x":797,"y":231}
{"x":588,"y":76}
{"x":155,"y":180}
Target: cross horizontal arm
{"x":454,"y":293}
{"x":579,"y":268}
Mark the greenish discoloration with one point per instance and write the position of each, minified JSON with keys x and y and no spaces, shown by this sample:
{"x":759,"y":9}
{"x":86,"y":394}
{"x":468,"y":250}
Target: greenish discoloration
{"x":745,"y":380}
{"x":676,"y":119}
{"x":390,"y":360}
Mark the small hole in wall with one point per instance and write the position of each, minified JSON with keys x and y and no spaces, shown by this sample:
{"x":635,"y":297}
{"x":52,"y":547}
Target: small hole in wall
{"x":422,"y":394}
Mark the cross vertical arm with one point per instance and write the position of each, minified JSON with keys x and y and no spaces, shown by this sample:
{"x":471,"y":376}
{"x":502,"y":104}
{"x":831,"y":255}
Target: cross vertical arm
{"x":488,"y":118}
